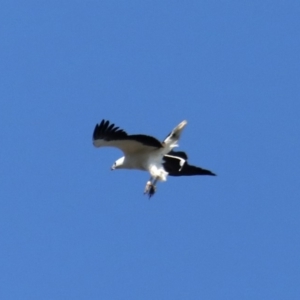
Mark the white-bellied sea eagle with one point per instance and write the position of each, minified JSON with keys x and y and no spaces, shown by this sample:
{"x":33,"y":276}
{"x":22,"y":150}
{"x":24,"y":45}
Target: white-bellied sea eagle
{"x":144,"y":152}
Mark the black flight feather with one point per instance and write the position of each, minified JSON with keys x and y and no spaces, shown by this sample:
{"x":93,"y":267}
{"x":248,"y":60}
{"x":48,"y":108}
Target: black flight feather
{"x":108,"y":132}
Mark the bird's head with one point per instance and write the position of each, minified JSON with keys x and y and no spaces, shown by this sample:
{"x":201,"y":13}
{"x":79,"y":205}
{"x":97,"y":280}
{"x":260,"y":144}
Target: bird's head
{"x":118,"y":164}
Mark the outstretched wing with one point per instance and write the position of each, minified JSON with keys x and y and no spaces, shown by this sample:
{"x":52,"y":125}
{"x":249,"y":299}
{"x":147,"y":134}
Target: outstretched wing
{"x":108,"y":135}
{"x":174,"y":136}
{"x":175,"y":163}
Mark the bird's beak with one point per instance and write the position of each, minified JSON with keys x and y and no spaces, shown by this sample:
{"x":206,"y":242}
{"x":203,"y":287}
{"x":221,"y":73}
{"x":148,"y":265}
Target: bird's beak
{"x":112,"y":168}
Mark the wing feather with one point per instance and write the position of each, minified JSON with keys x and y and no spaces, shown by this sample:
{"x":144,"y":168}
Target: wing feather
{"x":175,"y":163}
{"x":109,"y":135}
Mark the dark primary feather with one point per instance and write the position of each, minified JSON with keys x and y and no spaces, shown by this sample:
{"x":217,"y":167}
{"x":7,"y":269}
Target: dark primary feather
{"x":173,"y":167}
{"x":109,"y":132}
{"x":189,"y":170}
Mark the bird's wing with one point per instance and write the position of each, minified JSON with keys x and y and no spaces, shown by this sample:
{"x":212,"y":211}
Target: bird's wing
{"x":108,"y":135}
{"x":178,"y":153}
{"x":177,"y":165}
{"x":174,"y":136}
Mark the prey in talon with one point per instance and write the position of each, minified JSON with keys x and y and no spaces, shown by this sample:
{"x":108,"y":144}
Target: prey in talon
{"x":150,"y":189}
{"x":147,"y":187}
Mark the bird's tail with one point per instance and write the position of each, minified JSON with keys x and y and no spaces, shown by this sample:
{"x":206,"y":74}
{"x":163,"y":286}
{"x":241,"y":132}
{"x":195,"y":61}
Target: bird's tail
{"x":172,"y":139}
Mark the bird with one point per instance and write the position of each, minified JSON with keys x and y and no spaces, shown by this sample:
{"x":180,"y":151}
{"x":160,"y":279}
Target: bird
{"x":146,"y":153}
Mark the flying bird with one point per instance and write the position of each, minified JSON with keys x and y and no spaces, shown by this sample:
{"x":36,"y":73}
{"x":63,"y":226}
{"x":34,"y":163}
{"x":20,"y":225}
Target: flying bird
{"x":144,"y":152}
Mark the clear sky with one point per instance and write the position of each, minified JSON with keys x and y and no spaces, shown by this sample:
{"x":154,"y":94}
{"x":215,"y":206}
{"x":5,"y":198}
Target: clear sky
{"x":72,"y":229}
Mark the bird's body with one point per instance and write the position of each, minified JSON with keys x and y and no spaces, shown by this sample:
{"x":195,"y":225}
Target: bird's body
{"x":146,"y":153}
{"x":141,"y":161}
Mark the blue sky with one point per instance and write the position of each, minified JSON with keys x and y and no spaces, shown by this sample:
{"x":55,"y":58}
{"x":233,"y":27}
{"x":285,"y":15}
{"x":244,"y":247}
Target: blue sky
{"x":72,"y":229}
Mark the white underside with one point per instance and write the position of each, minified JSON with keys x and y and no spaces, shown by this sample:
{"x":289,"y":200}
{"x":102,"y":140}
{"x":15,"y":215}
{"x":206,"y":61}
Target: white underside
{"x":149,"y":159}
{"x":151,"y":162}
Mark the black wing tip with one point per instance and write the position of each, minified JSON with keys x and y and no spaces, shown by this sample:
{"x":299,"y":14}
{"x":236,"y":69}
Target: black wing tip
{"x":206,"y":172}
{"x":187,"y":170}
{"x":106,"y":130}
{"x":200,"y":171}
{"x":211,"y":173}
